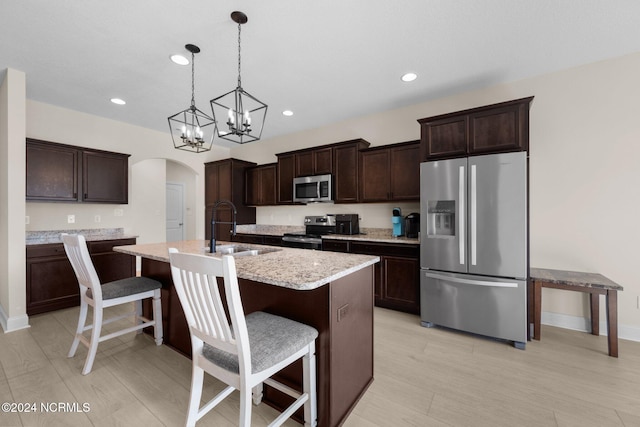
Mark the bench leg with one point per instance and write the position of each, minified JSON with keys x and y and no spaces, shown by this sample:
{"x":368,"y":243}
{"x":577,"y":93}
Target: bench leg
{"x":595,"y":313}
{"x":612,"y":322}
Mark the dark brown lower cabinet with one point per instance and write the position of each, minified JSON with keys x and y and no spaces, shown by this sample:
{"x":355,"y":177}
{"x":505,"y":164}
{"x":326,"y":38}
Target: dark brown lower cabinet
{"x":51,"y":282}
{"x":258,"y":239}
{"x":397,"y":276}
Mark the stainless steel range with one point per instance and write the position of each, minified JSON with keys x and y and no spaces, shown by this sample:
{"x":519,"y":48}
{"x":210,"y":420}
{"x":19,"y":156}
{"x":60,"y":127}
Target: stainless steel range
{"x":316,"y":226}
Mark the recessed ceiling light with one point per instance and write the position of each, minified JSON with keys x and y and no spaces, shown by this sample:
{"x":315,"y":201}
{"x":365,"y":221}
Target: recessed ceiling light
{"x":287,"y":113}
{"x":118,"y":101}
{"x":179,"y":59}
{"x":409,"y":77}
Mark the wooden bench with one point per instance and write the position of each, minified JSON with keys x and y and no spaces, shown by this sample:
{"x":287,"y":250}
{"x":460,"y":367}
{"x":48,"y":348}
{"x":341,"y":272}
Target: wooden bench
{"x":592,"y":283}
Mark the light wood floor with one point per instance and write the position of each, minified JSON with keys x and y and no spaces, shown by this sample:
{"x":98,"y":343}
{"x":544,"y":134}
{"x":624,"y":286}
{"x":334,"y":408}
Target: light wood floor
{"x":423,"y":377}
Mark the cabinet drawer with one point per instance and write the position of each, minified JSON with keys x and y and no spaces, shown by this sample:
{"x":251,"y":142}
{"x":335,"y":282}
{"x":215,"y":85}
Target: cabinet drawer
{"x":369,"y":248}
{"x":47,"y":250}
{"x":335,"y":245}
{"x":107,"y":245}
{"x":273,"y":240}
{"x":248,"y":238}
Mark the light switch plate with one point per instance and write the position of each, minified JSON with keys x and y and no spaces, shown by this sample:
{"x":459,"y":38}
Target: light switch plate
{"x":71,"y":219}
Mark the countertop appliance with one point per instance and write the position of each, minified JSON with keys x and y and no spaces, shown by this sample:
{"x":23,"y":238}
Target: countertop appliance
{"x":412,"y":225}
{"x":397,"y":223}
{"x":474,"y":245}
{"x":312,"y":189}
{"x":315,"y":227}
{"x":347,"y":224}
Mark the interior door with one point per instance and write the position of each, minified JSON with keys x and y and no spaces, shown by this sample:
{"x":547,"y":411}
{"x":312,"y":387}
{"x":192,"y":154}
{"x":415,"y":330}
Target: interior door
{"x":443,"y":213}
{"x":498,"y":215}
{"x":175,"y":212}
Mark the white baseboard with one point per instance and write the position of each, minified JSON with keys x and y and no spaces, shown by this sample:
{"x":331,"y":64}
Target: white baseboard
{"x":576,"y":323}
{"x":10,"y":324}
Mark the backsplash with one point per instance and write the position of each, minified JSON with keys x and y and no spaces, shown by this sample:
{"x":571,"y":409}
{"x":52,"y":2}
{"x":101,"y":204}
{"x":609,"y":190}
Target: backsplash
{"x":372,"y":215}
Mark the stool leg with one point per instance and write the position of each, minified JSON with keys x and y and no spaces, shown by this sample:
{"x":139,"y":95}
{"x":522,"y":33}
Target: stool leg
{"x":612,"y":322}
{"x":309,"y":387}
{"x":157,"y":317}
{"x":595,"y":313}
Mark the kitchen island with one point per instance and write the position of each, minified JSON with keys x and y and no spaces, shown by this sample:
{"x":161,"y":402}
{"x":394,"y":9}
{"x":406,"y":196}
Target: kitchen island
{"x":333,"y":292}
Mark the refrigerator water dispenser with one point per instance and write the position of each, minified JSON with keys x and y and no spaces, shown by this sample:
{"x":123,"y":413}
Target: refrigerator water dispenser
{"x":441,"y":218}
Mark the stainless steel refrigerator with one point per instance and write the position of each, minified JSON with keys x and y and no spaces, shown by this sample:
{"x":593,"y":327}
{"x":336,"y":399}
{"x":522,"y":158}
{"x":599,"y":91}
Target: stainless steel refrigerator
{"x":474,"y":245}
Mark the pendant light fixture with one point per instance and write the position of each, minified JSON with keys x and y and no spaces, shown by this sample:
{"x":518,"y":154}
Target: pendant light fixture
{"x":191,"y":129}
{"x":239,"y":116}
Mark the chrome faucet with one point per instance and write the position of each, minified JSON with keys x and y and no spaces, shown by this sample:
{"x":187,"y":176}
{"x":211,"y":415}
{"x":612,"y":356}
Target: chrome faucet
{"x":212,"y":241}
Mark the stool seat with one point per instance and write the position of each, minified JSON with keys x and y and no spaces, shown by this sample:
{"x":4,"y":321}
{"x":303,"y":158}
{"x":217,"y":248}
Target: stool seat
{"x":126,"y":287}
{"x":271,"y":338}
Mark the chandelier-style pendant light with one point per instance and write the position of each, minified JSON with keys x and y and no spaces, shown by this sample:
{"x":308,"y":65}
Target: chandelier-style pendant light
{"x":239,"y":116}
{"x":191,"y":129}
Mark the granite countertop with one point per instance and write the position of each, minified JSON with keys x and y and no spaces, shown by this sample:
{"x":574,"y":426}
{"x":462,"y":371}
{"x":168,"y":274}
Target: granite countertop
{"x":367,"y":234}
{"x":574,"y":278}
{"x":299,"y":269}
{"x":375,"y":235}
{"x":268,"y":230}
{"x":53,"y":236}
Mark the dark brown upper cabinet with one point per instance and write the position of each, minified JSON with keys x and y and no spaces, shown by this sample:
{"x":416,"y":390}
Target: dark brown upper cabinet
{"x":346,"y":169}
{"x":225,"y":180}
{"x":339,"y":159}
{"x":286,"y":173}
{"x":318,"y":161}
{"x":495,"y":128}
{"x":105,"y":177}
{"x":390,"y":172}
{"x":65,"y":173}
{"x":260,"y":185}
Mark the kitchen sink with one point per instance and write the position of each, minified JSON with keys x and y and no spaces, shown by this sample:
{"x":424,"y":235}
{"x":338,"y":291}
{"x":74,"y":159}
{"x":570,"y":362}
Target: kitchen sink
{"x":240,"y":250}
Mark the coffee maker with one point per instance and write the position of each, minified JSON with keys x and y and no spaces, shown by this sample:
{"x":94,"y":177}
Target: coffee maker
{"x":412,"y":225}
{"x":397,"y":223}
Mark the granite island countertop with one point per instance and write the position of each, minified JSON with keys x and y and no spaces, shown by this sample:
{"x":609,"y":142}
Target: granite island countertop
{"x":94,"y":234}
{"x":299,"y":269}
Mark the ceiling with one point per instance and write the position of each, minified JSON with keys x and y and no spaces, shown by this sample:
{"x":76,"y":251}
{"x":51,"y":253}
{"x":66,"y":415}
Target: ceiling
{"x":326,"y":60}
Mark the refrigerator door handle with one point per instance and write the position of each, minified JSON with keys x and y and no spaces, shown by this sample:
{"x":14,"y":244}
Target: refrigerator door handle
{"x":474,"y":218}
{"x":461,"y":215}
{"x":471,"y":281}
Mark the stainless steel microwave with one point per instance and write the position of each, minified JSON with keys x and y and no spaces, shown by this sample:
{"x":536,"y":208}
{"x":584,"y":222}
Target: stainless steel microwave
{"x":309,"y":189}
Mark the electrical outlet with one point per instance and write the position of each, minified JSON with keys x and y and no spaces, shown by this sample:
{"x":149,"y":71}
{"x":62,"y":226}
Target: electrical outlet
{"x":118,"y":212}
{"x":26,"y":219}
{"x":71,"y":219}
{"x":96,"y":218}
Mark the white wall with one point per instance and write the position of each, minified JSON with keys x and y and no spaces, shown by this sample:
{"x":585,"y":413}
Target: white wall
{"x":584,"y":172}
{"x":12,"y":164}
